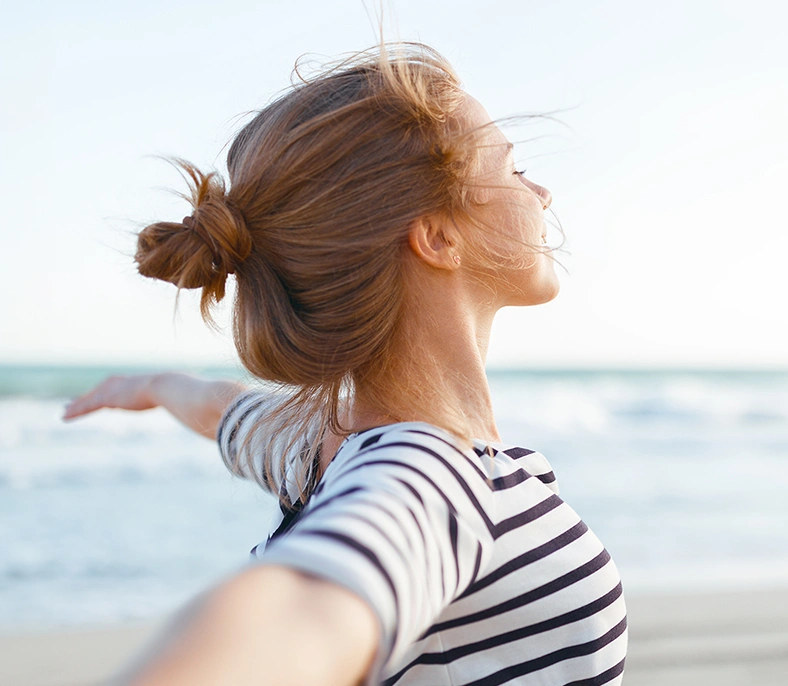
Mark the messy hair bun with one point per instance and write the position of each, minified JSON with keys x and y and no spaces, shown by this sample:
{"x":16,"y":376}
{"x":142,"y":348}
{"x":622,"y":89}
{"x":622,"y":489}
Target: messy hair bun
{"x":201,"y":250}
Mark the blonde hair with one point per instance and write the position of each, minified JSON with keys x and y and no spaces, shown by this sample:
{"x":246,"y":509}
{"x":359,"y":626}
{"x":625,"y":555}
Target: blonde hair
{"x":324,"y":183}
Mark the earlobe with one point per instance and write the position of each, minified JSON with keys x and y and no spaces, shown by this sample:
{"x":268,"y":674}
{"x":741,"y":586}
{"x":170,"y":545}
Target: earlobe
{"x":429,"y":242}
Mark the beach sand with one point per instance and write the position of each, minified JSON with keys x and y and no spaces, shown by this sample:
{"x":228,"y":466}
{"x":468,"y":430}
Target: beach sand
{"x":714,"y":639}
{"x":719,"y":639}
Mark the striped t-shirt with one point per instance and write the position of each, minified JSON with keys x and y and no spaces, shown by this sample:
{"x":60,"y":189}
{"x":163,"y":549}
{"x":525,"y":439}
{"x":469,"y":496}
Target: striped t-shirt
{"x":475,"y":568}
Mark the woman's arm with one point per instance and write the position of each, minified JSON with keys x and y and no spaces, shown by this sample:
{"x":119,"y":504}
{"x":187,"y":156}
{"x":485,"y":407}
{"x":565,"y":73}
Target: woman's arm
{"x":267,"y":625}
{"x":198,"y":403}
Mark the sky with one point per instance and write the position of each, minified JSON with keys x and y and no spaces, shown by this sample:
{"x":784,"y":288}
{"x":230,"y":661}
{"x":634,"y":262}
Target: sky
{"x":668,"y":164}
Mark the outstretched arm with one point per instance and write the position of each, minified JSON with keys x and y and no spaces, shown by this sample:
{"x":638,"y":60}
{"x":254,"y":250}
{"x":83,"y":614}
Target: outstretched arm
{"x":266,"y":625}
{"x":197,"y":403}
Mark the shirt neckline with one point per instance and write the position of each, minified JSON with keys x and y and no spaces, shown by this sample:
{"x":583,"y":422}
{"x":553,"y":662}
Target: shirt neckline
{"x":498,"y":446}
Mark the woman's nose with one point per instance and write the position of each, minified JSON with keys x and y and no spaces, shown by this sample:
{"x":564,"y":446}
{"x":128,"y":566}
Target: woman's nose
{"x":545,"y":195}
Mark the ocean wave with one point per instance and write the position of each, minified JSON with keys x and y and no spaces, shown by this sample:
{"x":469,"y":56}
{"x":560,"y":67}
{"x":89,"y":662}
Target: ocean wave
{"x":604,"y":404}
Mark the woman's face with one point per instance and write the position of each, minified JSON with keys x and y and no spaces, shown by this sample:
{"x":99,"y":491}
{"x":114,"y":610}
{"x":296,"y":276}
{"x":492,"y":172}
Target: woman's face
{"x":513,"y":207}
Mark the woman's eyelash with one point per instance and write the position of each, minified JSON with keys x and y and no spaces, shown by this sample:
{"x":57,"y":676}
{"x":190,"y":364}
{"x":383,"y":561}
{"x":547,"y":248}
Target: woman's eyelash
{"x":520,"y":172}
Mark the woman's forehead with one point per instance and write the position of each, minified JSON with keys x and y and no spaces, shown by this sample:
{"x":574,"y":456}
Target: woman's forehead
{"x":491,"y":138}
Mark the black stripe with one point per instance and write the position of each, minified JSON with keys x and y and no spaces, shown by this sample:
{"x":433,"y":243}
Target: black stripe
{"x":371,"y":428}
{"x":424,"y":476}
{"x":297,"y":511}
{"x":396,"y":520}
{"x":416,"y":521}
{"x":537,"y":593}
{"x":237,"y":423}
{"x":371,"y":441}
{"x":383,"y":534}
{"x":517,"y":452}
{"x":605,"y":677}
{"x":498,"y":484}
{"x":312,"y":476}
{"x":293,"y":516}
{"x":427,"y":547}
{"x":509,"y":480}
{"x":459,"y":652}
{"x":530,"y":666}
{"x":358,"y":547}
{"x":451,"y":445}
{"x":228,"y":411}
{"x":453,"y":536}
{"x":526,"y":516}
{"x":501,"y":482}
{"x":379,"y":506}
{"x":458,"y":477}
{"x":528,"y":557}
{"x":411,"y":488}
{"x":305,"y":512}
{"x":478,"y":564}
{"x":288,"y":521}
{"x":314,"y":471}
{"x":288,"y":510}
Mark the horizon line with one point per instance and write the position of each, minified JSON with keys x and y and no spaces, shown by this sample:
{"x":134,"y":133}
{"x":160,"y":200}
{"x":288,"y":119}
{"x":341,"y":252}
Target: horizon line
{"x":492,"y":368}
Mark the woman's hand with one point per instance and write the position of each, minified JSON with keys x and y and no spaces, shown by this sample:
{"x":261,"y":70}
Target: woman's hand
{"x":122,"y":392}
{"x":197,"y":403}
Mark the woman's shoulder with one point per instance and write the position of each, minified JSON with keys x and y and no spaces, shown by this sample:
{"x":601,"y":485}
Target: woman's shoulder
{"x":509,"y":459}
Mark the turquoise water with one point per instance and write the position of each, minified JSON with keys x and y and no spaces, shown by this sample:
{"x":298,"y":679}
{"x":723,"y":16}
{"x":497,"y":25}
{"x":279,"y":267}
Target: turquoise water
{"x":120,"y":516}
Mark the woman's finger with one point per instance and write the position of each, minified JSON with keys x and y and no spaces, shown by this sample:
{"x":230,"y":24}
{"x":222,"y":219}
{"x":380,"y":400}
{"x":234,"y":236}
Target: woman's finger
{"x":124,"y":392}
{"x":82,"y":405}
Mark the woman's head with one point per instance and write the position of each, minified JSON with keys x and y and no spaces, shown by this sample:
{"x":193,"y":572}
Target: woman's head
{"x":325,"y":185}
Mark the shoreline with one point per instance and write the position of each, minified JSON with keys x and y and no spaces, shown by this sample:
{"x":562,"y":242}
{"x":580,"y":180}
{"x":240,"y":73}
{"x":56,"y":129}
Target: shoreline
{"x":728,"y":638}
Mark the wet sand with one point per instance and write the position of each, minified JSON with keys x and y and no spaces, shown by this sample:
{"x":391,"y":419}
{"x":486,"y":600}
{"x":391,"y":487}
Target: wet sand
{"x":724,"y":639}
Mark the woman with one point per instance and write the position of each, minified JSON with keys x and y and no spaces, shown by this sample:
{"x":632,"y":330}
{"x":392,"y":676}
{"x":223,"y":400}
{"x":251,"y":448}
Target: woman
{"x":375,"y":224}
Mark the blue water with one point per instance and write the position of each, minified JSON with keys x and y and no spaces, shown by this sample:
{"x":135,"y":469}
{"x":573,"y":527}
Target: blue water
{"x":121,"y":516}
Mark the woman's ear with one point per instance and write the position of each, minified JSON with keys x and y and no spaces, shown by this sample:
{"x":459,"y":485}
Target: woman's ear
{"x":433,"y":242}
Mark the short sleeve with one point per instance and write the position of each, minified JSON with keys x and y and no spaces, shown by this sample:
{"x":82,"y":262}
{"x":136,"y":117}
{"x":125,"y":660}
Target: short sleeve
{"x":400,"y":519}
{"x":240,"y":417}
{"x":244,"y":435}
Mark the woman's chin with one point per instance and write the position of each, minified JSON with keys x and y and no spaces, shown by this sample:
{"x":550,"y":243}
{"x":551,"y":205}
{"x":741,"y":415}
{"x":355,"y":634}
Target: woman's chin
{"x":551,"y":291}
{"x":535,"y":293}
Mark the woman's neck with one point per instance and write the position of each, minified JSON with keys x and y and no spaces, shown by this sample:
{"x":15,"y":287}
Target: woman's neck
{"x":457,"y":396}
{"x":435,"y":373}
{"x":439,"y":371}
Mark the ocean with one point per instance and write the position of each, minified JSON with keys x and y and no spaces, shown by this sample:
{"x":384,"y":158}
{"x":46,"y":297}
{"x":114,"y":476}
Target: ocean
{"x":125,"y":516}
